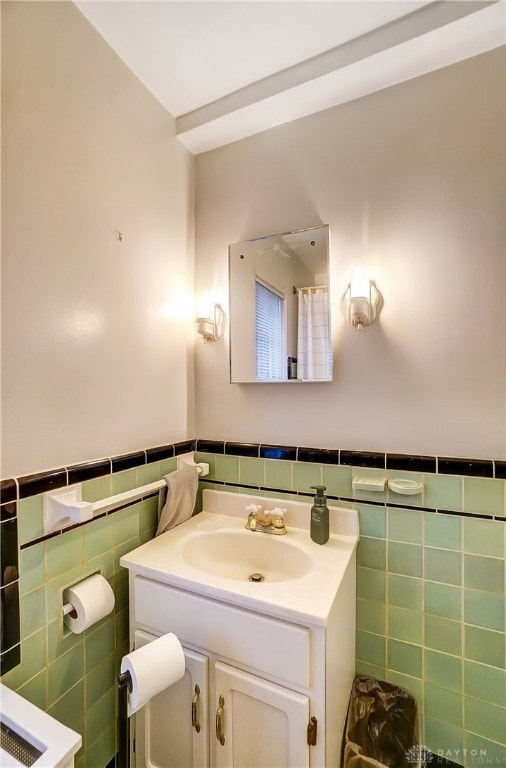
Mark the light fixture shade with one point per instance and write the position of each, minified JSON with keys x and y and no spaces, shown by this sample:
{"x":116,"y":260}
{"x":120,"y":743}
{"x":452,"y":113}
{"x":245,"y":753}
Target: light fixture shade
{"x":210,"y":328}
{"x":361,"y":300}
{"x":360,"y":285}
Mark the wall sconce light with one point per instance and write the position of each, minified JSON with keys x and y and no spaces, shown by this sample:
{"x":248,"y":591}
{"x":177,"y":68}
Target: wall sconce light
{"x":361,"y":300}
{"x":210,"y":328}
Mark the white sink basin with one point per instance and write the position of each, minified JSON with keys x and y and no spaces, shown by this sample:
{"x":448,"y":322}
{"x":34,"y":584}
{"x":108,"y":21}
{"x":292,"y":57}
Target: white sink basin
{"x":246,"y":556}
{"x":213,"y":554}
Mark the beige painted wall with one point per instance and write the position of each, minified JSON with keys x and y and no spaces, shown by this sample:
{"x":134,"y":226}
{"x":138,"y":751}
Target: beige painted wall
{"x":411,"y":181}
{"x":97,"y":337}
{"x":97,"y":356}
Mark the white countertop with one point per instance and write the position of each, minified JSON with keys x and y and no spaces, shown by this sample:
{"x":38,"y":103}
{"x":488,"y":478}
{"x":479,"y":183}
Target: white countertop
{"x":308,"y":598}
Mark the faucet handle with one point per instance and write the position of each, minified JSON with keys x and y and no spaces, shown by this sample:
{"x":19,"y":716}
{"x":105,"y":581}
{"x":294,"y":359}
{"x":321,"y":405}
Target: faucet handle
{"x":279,"y":520}
{"x":252,"y":510}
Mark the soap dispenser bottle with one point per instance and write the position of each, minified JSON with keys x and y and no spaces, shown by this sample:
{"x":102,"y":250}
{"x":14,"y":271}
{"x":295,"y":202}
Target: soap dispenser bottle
{"x":319,"y":516}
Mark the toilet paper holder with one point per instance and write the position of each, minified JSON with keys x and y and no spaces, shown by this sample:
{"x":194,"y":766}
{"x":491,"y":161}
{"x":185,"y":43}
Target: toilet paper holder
{"x":86,"y":602}
{"x":143,"y":675}
{"x":125,"y":680}
{"x":124,"y":688}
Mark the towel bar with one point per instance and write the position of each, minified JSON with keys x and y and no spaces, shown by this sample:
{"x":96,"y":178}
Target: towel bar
{"x":64,"y":506}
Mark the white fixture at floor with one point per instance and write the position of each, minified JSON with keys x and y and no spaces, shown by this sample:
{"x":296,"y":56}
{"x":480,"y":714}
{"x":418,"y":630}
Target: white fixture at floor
{"x":29,"y":731}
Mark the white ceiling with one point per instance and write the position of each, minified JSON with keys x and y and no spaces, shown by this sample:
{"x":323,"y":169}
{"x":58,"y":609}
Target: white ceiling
{"x":232,"y":68}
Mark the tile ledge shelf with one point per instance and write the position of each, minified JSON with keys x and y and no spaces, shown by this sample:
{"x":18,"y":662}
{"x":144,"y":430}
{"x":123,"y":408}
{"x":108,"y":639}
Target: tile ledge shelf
{"x":13,"y":489}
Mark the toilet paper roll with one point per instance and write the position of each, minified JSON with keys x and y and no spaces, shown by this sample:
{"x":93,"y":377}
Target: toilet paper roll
{"x":91,"y":600}
{"x":153,"y":668}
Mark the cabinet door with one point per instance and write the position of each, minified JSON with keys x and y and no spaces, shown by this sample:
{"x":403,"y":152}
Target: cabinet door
{"x":258,"y":723}
{"x":172,"y":730}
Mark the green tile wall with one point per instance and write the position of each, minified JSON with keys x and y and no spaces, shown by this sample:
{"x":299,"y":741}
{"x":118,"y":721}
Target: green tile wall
{"x":430,"y":598}
{"x":73,"y":677}
{"x":430,"y":593}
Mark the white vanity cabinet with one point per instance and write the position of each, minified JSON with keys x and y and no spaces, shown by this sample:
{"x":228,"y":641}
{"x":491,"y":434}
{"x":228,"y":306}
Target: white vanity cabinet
{"x":252,"y":722}
{"x":269,"y":666}
{"x":258,"y":723}
{"x":256,"y":685}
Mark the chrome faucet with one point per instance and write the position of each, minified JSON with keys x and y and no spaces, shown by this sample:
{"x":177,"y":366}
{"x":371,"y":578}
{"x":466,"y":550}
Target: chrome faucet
{"x":265,"y":523}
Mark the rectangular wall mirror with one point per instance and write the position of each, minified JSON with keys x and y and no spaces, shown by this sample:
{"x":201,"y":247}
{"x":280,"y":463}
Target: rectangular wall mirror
{"x":279,"y":308}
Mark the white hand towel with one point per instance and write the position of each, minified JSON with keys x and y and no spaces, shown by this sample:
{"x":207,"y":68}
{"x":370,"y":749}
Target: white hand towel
{"x":181,"y":494}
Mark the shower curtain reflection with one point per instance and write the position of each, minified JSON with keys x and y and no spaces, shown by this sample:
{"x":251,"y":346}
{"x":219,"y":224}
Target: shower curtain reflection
{"x":314,"y":360}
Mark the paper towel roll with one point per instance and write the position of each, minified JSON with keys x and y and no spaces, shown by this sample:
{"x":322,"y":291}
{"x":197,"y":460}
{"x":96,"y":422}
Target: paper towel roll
{"x":153,"y":668}
{"x":91,"y":599}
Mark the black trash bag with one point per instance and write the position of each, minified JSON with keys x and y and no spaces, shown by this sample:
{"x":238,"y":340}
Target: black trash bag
{"x":381,"y":726}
